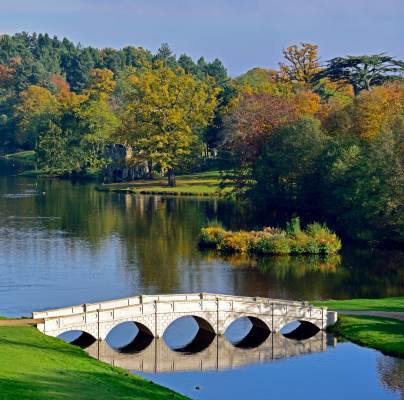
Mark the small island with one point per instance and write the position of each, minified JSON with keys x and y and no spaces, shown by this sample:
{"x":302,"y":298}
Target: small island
{"x":315,"y":239}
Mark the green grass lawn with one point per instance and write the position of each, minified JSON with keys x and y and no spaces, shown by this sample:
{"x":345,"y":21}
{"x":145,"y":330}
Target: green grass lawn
{"x":37,"y":367}
{"x":384,"y":304}
{"x":202,"y":184}
{"x":384,"y":334}
{"x":24,"y":156}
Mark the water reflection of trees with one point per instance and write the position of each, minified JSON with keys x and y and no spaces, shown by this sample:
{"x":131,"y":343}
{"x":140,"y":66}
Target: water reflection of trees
{"x":281,"y":267}
{"x":156,"y":241}
{"x":391,"y":372}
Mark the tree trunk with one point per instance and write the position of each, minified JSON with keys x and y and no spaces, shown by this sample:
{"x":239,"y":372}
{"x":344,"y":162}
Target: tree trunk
{"x":171,"y":177}
{"x":149,"y":169}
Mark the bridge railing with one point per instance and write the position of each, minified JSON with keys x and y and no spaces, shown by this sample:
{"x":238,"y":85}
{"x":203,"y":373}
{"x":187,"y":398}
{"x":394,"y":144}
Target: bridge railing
{"x":162,"y":298}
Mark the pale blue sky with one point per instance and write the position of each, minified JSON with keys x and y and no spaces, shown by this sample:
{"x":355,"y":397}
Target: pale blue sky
{"x":242,"y":33}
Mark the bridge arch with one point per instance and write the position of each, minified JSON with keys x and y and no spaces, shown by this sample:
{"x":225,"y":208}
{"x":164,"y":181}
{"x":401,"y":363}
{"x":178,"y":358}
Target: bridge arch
{"x":206,"y":321}
{"x":136,"y":337}
{"x":300,"y":329}
{"x":196,"y":341}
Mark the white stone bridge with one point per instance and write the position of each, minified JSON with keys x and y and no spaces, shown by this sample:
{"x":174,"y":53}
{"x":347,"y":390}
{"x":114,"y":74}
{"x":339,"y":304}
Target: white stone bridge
{"x":154,"y":313}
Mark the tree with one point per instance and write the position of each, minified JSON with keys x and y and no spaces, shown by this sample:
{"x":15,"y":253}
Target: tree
{"x":362,"y":72}
{"x":101,"y":82}
{"x":252,"y":121}
{"x":188,"y":64}
{"x":377,"y":110}
{"x":259,"y":80}
{"x":166,"y":113}
{"x":368,"y":114}
{"x":363,"y":186}
{"x":303,"y":63}
{"x":35,"y":103}
{"x":165,"y":54}
{"x":288,"y":170}
{"x":97,"y":119}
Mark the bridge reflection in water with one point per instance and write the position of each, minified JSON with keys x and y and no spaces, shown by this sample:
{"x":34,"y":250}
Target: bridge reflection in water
{"x":218,"y":354}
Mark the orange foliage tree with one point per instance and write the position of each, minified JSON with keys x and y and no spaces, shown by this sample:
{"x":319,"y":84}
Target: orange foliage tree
{"x":253,"y":121}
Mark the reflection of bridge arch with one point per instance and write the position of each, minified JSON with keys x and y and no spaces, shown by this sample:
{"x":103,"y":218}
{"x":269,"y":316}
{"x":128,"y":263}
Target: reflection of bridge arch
{"x":303,"y":331}
{"x":257,"y":334}
{"x":219,"y":355}
{"x":83,"y":339}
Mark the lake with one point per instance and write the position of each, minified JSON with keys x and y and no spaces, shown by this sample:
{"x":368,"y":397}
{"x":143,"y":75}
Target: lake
{"x":64,"y":243}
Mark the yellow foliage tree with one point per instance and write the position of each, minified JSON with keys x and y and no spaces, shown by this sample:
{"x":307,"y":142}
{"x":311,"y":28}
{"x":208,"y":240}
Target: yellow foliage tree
{"x":303,"y":63}
{"x":166,"y":111}
{"x":35,"y":102}
{"x":377,"y":109}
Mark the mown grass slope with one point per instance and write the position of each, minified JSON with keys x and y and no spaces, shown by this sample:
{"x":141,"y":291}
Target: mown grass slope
{"x":37,"y":367}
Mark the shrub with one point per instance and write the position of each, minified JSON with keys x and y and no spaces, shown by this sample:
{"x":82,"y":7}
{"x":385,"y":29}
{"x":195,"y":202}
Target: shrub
{"x":327,"y":240}
{"x":234,"y":242}
{"x":211,"y":236}
{"x":293,"y":226}
{"x":299,"y":243}
{"x":270,"y":244}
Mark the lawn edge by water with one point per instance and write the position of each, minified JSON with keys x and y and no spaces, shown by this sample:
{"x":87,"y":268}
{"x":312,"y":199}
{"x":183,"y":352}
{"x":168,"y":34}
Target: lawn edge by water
{"x":380,"y":333}
{"x":383,"y":304}
{"x":27,"y":156}
{"x":383,"y":334}
{"x":35,"y":366}
{"x":196,"y":184}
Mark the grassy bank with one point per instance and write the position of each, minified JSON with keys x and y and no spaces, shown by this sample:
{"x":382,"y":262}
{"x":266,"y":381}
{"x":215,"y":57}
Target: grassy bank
{"x":89,"y":174}
{"x":198,"y":184}
{"x":384,"y":334}
{"x":384,"y":304}
{"x":37,"y":367}
{"x":22,"y":156}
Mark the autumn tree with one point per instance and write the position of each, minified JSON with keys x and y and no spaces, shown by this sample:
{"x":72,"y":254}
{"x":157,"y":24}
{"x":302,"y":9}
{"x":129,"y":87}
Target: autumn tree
{"x":368,"y":114}
{"x":362,"y":72}
{"x":375,"y":111}
{"x":35,"y":104}
{"x":165,"y":114}
{"x":249,"y":126}
{"x":303,"y":63}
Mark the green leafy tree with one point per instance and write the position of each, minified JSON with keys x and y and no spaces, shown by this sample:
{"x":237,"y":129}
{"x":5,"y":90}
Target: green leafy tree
{"x":362,"y":72}
{"x":288,"y":170}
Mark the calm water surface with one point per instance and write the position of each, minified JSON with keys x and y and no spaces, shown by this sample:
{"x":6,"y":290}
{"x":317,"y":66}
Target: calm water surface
{"x":63,"y":243}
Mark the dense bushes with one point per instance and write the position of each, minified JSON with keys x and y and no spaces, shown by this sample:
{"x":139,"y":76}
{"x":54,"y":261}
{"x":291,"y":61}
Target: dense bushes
{"x":315,"y":239}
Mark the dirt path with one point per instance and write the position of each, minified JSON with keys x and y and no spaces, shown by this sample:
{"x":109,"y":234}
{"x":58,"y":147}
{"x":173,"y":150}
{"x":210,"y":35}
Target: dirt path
{"x":20,"y":322}
{"x":384,"y":314}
